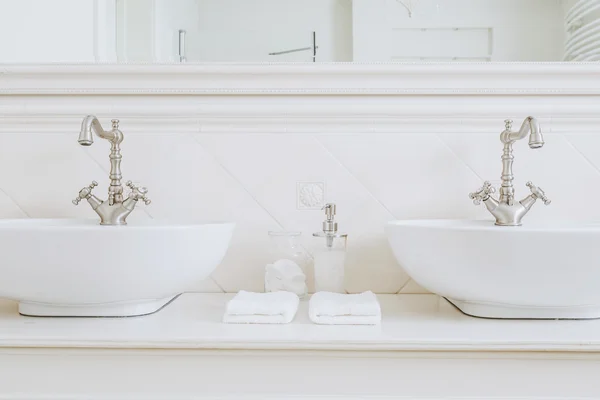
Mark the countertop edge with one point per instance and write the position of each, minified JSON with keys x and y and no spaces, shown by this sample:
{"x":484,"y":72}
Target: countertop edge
{"x":325,"y":346}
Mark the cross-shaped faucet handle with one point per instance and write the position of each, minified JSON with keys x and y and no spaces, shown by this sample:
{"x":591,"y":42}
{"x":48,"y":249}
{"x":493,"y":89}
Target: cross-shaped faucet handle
{"x":483,"y":193}
{"x":538,"y":193}
{"x":85,"y":192}
{"x":138,"y":193}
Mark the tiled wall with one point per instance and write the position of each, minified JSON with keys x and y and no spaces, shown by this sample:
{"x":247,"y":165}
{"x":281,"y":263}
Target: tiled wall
{"x":212,"y":164}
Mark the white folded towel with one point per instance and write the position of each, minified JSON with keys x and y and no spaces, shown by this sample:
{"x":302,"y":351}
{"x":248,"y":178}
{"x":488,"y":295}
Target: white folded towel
{"x":261,"y":308}
{"x":329,"y":308}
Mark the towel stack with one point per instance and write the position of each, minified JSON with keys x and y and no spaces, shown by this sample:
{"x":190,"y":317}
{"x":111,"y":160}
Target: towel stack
{"x":329,"y":308}
{"x":261,"y":308}
{"x":325,"y":308}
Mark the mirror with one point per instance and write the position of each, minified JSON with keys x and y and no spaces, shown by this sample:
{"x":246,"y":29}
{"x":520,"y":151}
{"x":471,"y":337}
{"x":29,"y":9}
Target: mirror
{"x":179,"y":31}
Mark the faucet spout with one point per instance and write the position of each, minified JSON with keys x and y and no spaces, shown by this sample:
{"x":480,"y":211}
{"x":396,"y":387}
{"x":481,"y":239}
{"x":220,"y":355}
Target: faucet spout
{"x":91,"y":125}
{"x":529,"y":126}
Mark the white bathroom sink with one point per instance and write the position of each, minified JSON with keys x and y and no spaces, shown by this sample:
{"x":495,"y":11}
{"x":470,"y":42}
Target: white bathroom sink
{"x":72,"y":267}
{"x":530,"y":271}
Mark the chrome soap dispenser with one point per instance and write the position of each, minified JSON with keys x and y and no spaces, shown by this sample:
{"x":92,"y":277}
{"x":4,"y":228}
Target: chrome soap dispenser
{"x":330,"y":254}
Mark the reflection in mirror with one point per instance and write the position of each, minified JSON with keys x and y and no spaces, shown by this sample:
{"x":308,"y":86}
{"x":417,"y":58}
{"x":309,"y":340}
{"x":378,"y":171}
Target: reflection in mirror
{"x":234,"y":30}
{"x":178,"y":31}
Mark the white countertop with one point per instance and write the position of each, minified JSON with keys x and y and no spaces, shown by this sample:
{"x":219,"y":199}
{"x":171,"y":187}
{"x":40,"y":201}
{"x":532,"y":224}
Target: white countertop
{"x":193,"y":321}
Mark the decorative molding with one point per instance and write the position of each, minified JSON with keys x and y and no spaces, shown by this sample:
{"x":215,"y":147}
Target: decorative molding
{"x":172,"y":114}
{"x":303,"y":79}
{"x":314,"y":126}
{"x":189,"y":98}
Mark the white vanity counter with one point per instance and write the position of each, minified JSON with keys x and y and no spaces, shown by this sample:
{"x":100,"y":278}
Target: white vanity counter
{"x":193,"y":321}
{"x":424,"y":348}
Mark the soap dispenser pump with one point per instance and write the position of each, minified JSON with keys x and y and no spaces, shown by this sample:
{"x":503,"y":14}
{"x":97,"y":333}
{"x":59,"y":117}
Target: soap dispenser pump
{"x":330,"y":254}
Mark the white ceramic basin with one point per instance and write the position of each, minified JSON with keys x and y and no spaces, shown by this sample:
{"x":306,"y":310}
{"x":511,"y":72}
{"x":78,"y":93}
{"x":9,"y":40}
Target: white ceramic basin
{"x":73,"y":267}
{"x":531,"y":271}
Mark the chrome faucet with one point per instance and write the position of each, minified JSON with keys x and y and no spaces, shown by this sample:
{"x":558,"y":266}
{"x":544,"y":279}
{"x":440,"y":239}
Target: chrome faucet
{"x":115,"y":209}
{"x":504,"y":209}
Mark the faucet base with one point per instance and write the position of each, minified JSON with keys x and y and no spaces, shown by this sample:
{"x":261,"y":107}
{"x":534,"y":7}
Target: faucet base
{"x":113,"y":224}
{"x":508,"y":224}
{"x":116,"y":214}
{"x":506,"y":214}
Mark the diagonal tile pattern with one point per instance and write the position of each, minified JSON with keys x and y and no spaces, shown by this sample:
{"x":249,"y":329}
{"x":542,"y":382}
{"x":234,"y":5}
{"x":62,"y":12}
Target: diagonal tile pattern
{"x":269,"y":166}
{"x":409,"y":174}
{"x":9,"y":208}
{"x":44,"y":188}
{"x":251,"y":178}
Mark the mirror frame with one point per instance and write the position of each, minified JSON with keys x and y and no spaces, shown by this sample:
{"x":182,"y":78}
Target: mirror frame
{"x":302,"y":79}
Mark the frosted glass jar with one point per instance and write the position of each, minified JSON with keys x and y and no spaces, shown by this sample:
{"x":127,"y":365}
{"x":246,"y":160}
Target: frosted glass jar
{"x":285,"y":247}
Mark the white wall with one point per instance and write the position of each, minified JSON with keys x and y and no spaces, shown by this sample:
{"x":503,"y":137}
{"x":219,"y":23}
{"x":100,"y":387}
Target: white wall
{"x":39,"y":31}
{"x":517,"y":30}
